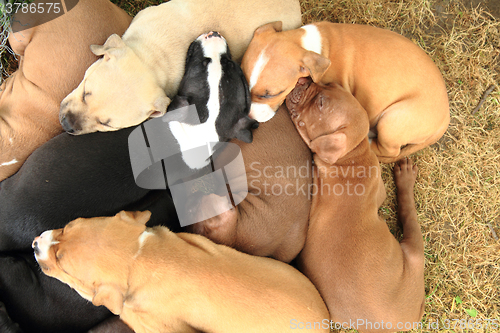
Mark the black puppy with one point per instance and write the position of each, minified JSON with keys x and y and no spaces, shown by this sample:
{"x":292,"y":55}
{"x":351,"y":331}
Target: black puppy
{"x":71,"y":177}
{"x":66,"y":178}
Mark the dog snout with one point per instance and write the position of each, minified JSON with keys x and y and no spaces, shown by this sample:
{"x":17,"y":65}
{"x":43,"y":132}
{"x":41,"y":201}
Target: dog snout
{"x":213,"y":34}
{"x":70,"y":123}
{"x":35,"y":246}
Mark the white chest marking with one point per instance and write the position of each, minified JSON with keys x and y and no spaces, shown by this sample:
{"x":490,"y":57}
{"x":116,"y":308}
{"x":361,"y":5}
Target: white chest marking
{"x":311,"y":40}
{"x":258,"y":68}
{"x":14,"y":161}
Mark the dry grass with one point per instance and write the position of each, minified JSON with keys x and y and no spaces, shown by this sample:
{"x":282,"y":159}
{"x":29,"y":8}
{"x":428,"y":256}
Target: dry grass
{"x":458,"y":188}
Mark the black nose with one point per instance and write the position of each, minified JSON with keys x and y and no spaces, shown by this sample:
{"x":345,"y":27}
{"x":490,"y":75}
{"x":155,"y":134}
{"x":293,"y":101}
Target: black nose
{"x":70,"y":122}
{"x":214,"y":34}
{"x":35,"y":247}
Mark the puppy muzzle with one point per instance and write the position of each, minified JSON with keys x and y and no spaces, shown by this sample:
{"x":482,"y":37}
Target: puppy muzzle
{"x":41,"y":245}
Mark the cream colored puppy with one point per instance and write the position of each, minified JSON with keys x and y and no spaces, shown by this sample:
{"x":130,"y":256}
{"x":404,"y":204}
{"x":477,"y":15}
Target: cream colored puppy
{"x":159,"y":281}
{"x":139,"y":73}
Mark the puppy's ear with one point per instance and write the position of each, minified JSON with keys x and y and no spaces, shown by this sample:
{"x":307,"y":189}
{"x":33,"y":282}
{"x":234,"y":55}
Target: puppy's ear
{"x":276,"y":26}
{"x":314,"y":65}
{"x":331,"y":147}
{"x":135,"y":217}
{"x":160,"y":107}
{"x":110,"y":297}
{"x":243,"y":129}
{"x":113,"y":42}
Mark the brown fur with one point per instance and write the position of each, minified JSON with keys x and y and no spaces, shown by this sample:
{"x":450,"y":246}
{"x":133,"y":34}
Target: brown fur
{"x":397,"y":84}
{"x":158,"y":281}
{"x":350,"y":255}
{"x":54,"y":57}
{"x":267,"y":224}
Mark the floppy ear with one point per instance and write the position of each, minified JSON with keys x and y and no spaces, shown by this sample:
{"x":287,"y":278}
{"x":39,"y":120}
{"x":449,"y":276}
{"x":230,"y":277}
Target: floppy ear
{"x":160,"y":107}
{"x":135,"y":217}
{"x":314,"y":65}
{"x":110,"y":297}
{"x":331,"y":147}
{"x":113,"y":42}
{"x":243,"y":129}
{"x":276,"y":26}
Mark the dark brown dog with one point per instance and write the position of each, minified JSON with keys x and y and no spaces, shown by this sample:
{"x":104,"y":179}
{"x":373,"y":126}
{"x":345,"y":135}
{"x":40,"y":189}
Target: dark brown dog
{"x":272,"y":220}
{"x":368,"y":280}
{"x":54,"y":57}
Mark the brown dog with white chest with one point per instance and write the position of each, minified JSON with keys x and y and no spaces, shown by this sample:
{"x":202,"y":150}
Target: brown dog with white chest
{"x":53,"y":59}
{"x":159,"y":281}
{"x":368,"y":280}
{"x":395,"y":81}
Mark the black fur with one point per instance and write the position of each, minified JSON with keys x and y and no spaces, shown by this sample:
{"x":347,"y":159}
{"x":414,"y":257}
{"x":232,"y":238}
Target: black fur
{"x":68,"y":177}
{"x":234,"y":95}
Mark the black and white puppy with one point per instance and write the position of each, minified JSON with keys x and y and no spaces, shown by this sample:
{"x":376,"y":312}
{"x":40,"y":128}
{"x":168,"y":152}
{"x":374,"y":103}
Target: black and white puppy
{"x":216,"y":85}
{"x":211,"y":107}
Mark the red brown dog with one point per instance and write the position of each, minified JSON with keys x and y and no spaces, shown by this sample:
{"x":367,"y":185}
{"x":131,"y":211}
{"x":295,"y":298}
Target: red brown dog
{"x":395,"y":81}
{"x":53,"y":60}
{"x":368,"y":280}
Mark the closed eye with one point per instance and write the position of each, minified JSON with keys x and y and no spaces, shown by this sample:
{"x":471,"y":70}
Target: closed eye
{"x":269,"y":95}
{"x":85,"y":94}
{"x":104,"y":123}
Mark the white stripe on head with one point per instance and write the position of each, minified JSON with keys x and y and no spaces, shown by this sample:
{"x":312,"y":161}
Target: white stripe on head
{"x":44,"y":242}
{"x":258,"y":68}
{"x":311,"y":40}
{"x":261,"y":112}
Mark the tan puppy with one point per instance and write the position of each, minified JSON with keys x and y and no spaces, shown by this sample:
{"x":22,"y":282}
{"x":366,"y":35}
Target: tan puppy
{"x":54,"y":57}
{"x":272,"y":220}
{"x":158,"y":281}
{"x":139,"y":74}
{"x":398,"y":85}
{"x":368,"y":280}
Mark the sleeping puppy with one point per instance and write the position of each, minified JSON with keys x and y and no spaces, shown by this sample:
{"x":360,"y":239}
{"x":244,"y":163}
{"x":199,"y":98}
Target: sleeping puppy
{"x":53,"y":59}
{"x":139,"y":74}
{"x":158,"y":281}
{"x":362,"y":272}
{"x":212,"y":106}
{"x":70,"y":177}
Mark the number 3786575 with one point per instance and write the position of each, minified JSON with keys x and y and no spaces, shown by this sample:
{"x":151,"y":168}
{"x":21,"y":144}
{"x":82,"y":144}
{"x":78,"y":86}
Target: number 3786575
{"x":33,"y":8}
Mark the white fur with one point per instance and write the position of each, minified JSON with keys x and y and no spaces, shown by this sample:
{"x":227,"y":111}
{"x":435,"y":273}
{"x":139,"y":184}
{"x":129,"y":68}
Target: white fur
{"x":258,"y":68}
{"x":44,"y":242}
{"x":192,"y":136}
{"x":311,"y":40}
{"x":261,"y":112}
{"x":142,"y":239}
{"x":14,"y":161}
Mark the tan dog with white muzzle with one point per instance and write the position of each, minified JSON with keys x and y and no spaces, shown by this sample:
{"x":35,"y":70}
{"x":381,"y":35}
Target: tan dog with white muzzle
{"x":158,"y":281}
{"x":397,"y":84}
{"x":369,"y":281}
